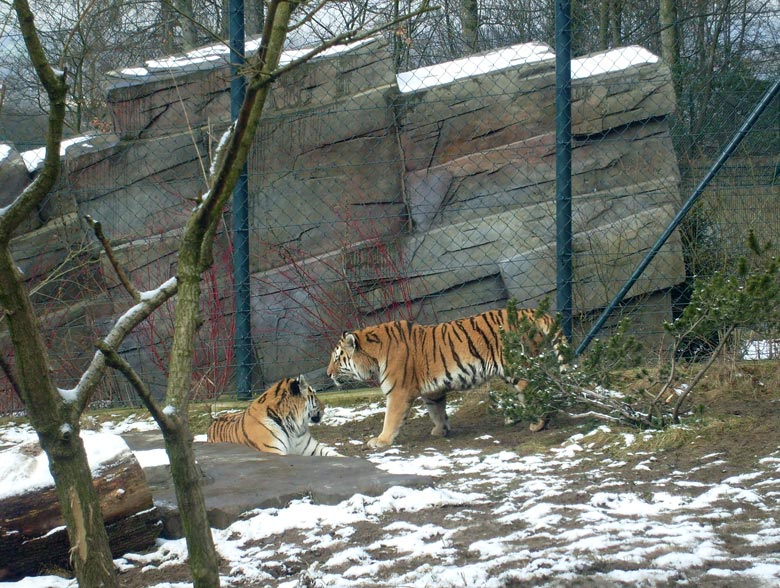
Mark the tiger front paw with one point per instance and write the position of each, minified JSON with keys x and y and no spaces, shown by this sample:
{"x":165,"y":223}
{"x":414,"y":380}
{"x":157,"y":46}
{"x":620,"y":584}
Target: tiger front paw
{"x":440,"y":431}
{"x":378,"y":443}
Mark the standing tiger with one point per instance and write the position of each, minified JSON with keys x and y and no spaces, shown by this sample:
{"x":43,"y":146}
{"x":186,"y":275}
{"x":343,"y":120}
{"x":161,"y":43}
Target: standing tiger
{"x":276,"y":421}
{"x":411,"y":360}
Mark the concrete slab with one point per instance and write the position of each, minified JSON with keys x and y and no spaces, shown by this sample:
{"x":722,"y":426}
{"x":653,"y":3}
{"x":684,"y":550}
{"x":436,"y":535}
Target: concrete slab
{"x":237,"y":479}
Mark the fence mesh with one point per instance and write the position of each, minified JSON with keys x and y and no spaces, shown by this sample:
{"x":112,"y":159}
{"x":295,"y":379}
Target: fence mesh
{"x":391,"y":179}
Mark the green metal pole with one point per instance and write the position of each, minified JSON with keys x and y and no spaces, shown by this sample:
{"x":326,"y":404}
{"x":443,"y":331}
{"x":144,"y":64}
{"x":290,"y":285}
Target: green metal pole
{"x":242,"y":344}
{"x":563,"y":163}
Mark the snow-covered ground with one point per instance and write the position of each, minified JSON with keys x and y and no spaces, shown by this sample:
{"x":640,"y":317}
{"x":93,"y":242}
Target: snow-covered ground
{"x":498,"y":519}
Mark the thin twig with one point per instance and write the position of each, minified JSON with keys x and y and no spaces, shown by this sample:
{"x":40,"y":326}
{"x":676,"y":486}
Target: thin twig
{"x":625,"y":412}
{"x":350,"y":36}
{"x":673,"y":368}
{"x":11,"y":376}
{"x":66,"y":46}
{"x":665,"y":387}
{"x":113,"y":360}
{"x":700,"y":374}
{"x":123,"y":277}
{"x":592,"y":414}
{"x":309,"y":16}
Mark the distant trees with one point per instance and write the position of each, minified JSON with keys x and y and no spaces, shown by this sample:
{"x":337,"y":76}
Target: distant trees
{"x":118,"y":34}
{"x":714,"y":48}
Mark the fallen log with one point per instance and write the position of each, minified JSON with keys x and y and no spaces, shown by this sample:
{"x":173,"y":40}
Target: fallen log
{"x":33,"y":537}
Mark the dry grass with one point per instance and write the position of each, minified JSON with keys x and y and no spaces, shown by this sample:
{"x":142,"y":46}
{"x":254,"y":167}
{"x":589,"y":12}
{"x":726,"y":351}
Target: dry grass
{"x":735,"y":398}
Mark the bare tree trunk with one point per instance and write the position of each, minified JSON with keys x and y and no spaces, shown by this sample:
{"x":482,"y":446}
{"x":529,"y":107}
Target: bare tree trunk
{"x":186,"y":18}
{"x":203,"y":559}
{"x":224,"y":29}
{"x":255,"y":17}
{"x":469,"y":21}
{"x":194,"y":257}
{"x":707,"y":49}
{"x":604,"y":24}
{"x":57,"y":427}
{"x":168,"y":25}
{"x":670,"y":45}
{"x":178,"y":442}
{"x":55,"y":421}
{"x":450,"y":31}
{"x":616,"y":22}
{"x":400,"y":49}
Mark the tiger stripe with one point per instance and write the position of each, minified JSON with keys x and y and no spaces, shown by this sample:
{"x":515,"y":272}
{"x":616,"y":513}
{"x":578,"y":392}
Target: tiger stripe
{"x":277,"y":421}
{"x":411,"y":360}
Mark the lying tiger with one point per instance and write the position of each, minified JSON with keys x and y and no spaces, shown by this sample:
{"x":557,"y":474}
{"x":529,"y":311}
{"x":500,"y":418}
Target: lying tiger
{"x":411,"y":360}
{"x":276,"y":421}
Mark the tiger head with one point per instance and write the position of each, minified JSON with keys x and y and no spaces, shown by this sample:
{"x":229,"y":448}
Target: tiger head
{"x":300,"y":389}
{"x":350,"y":363}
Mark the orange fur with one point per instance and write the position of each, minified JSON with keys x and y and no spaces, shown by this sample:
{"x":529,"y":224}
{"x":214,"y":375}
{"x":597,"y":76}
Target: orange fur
{"x":411,"y":361}
{"x":275,"y":422}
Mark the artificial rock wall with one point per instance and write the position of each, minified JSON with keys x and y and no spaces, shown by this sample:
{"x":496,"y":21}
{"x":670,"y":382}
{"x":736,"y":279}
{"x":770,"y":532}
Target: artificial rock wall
{"x":368,"y":200}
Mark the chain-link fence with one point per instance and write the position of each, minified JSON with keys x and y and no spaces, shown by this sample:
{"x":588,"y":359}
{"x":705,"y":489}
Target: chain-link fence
{"x":381,"y":192}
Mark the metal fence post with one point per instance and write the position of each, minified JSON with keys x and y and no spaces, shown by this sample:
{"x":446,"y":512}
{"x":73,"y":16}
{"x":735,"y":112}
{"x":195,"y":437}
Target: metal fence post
{"x":563,"y":163}
{"x":692,"y":199}
{"x":243,"y":332}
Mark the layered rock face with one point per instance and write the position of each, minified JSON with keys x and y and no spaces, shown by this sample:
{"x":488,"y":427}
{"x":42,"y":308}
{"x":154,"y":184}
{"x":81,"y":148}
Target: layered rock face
{"x":427,"y":195}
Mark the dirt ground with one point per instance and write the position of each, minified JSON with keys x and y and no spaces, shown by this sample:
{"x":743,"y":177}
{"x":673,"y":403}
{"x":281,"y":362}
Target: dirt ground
{"x":739,"y":420}
{"x":739,"y":410}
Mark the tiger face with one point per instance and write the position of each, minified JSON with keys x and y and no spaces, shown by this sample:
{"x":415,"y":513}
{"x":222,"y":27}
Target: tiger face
{"x":314,"y":405}
{"x":298,"y":400}
{"x":349,"y":363}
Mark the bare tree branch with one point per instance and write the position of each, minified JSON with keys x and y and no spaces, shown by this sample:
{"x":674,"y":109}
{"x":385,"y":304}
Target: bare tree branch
{"x":149,"y":302}
{"x":613,"y":406}
{"x":350,"y":36}
{"x":74,"y":30}
{"x":667,"y":384}
{"x":7,"y":369}
{"x":592,"y":414}
{"x":701,"y":372}
{"x":54,"y":84}
{"x":310,"y":14}
{"x":120,"y":272}
{"x":113,"y":360}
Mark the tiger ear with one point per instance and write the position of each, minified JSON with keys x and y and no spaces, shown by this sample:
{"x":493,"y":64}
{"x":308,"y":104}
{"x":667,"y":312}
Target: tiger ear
{"x":350,"y":343}
{"x":295,"y":387}
{"x":303,"y":384}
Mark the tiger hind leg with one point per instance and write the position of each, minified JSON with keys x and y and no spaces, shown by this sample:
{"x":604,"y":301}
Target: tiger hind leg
{"x":541,"y":423}
{"x":437,"y":410}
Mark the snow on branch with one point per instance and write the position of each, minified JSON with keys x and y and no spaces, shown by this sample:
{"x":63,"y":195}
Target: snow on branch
{"x":149,"y":302}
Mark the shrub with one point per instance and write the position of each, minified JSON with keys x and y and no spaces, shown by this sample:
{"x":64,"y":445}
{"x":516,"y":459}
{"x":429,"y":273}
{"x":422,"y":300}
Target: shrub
{"x":747,"y":298}
{"x":554,"y":383}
